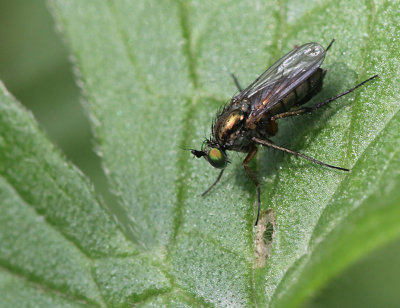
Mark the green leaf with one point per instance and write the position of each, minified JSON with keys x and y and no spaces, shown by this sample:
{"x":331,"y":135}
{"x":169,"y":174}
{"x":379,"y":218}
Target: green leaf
{"x":154,"y":74}
{"x":56,"y":239}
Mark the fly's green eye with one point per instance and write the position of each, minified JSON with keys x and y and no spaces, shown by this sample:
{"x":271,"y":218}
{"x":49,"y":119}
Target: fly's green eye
{"x":216,"y":158}
{"x":203,"y":146}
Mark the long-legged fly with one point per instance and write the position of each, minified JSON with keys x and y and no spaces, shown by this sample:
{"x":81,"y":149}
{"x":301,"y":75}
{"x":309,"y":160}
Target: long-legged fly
{"x":250,"y":117}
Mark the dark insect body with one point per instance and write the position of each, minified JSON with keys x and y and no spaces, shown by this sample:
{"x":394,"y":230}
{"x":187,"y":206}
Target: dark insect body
{"x":250,"y":117}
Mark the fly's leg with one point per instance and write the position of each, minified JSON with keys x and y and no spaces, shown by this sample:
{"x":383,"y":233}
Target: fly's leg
{"x":330,"y":45}
{"x":319,"y":105}
{"x":209,"y":188}
{"x":252,"y":153}
{"x":236,"y":83}
{"x":270,"y":144}
{"x":327,"y":48}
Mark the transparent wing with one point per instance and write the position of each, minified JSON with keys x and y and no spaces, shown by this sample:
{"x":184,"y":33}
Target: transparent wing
{"x":282,"y":78}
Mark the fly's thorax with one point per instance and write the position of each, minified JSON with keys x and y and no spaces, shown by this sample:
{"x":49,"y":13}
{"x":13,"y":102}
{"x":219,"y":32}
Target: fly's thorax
{"x":228,"y":125}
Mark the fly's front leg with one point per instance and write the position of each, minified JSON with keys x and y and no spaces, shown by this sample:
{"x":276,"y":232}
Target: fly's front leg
{"x":209,"y":188}
{"x":252,"y":153}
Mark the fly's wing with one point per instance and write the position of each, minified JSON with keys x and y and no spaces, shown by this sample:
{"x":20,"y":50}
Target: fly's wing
{"x":282,"y":78}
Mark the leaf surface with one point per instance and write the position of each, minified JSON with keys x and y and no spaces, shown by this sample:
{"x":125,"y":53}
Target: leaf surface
{"x":153,"y":75}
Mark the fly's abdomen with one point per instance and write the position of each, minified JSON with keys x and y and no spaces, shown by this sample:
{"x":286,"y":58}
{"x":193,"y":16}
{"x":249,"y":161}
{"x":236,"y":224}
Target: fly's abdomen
{"x":302,"y":94}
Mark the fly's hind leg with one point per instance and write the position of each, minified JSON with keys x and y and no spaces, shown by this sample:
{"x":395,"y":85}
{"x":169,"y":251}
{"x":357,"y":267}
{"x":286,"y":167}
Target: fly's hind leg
{"x":252,"y":153}
{"x":330,"y":45}
{"x":319,"y":105}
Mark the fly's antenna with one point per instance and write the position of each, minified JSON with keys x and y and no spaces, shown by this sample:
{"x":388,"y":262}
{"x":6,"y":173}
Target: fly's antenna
{"x":186,"y":149}
{"x":196,"y":153}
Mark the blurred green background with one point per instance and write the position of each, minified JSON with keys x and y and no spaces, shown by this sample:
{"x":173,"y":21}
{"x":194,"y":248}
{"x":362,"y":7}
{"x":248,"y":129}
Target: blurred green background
{"x":35,"y":67}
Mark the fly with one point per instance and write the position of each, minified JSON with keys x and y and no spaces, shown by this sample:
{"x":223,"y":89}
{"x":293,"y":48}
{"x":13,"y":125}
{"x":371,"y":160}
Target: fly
{"x":250,"y":117}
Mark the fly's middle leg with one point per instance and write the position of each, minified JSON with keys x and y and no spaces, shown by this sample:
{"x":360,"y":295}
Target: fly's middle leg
{"x":268,"y":143}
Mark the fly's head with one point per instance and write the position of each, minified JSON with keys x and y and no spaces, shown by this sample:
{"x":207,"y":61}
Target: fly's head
{"x":213,"y":154}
